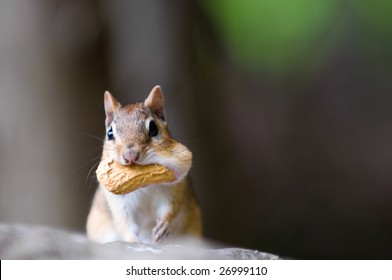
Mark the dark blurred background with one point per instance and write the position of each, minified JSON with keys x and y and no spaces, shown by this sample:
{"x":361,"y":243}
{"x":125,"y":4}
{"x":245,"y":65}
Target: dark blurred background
{"x":285,"y":104}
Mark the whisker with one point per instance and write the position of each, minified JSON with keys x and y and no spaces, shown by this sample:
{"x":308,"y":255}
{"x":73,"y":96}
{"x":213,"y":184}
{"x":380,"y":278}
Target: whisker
{"x":93,"y":136}
{"x":95,"y":165}
{"x":87,"y":162}
{"x":94,"y":150}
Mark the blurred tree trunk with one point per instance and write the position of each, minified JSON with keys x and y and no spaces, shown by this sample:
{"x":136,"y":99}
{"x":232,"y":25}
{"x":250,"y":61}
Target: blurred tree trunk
{"x":147,"y":40}
{"x":50,"y":72}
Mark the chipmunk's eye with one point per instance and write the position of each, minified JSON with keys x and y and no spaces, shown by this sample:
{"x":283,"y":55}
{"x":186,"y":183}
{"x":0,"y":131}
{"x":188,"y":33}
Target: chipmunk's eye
{"x":152,"y":129}
{"x":110,"y":134}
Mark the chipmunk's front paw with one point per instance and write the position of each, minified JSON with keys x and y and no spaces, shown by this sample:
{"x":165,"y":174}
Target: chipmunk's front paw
{"x":131,"y":238}
{"x":161,"y":230}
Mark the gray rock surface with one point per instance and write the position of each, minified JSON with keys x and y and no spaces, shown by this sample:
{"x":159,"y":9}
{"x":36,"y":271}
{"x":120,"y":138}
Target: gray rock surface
{"x":37,"y":242}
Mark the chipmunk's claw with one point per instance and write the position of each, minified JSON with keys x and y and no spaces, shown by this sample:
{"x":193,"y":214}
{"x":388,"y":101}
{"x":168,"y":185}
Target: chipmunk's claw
{"x":161,"y":230}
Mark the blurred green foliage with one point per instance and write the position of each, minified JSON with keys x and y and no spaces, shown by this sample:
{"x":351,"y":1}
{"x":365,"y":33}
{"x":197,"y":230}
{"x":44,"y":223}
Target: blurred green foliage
{"x":376,"y":17}
{"x":275,"y":34}
{"x":278,"y":34}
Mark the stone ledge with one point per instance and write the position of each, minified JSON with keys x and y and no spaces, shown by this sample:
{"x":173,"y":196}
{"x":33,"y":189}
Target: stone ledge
{"x":37,"y":242}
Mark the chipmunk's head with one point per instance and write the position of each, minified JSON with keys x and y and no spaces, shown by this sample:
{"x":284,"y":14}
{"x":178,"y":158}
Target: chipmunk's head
{"x":137,"y":134}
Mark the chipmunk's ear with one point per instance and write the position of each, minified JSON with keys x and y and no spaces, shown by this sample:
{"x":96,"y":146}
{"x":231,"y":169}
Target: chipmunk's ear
{"x":111,"y":106}
{"x":156,"y":102}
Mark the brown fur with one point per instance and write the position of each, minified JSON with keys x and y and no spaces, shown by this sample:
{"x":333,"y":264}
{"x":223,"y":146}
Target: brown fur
{"x":160,"y":210}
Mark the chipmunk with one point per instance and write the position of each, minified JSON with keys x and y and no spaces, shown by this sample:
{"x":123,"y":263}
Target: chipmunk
{"x":138,"y":134}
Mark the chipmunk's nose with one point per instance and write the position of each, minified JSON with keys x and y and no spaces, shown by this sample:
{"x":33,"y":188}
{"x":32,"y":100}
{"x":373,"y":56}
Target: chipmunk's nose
{"x":131,"y":156}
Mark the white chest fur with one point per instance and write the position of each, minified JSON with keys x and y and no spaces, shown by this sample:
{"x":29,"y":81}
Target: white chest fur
{"x":140,"y":209}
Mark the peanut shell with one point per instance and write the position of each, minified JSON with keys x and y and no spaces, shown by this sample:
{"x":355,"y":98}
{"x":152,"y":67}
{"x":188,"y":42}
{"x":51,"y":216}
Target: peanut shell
{"x":122,"y":179}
